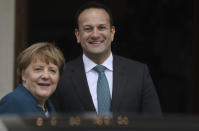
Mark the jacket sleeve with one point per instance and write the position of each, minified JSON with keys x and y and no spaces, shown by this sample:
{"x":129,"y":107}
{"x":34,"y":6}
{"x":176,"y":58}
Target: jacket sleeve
{"x":6,"y":105}
{"x":10,"y":105}
{"x":150,"y":100}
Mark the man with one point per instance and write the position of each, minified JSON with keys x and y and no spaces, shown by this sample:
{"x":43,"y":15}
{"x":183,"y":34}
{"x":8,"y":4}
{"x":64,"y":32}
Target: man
{"x":129,"y":85}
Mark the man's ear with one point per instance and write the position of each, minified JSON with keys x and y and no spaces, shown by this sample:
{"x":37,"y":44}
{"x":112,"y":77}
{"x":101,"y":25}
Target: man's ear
{"x":112,"y":32}
{"x":77,"y":35}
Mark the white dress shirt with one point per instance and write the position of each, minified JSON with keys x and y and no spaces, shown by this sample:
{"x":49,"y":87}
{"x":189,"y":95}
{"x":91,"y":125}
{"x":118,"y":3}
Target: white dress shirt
{"x":92,"y":76}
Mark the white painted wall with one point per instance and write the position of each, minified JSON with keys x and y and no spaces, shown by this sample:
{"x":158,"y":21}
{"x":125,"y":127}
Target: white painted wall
{"x":7,"y":13}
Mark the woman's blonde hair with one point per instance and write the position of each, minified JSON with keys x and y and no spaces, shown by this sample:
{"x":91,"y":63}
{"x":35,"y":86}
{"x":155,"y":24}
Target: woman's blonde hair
{"x":44,"y":51}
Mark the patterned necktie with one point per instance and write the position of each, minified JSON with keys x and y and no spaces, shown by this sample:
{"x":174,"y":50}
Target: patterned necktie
{"x":103,"y":92}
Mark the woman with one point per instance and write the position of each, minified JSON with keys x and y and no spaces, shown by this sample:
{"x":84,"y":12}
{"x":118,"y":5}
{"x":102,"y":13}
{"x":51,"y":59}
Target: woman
{"x":38,"y":70}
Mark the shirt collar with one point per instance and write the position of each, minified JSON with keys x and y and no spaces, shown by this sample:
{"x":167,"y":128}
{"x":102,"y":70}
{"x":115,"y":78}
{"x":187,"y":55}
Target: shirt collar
{"x":89,"y":64}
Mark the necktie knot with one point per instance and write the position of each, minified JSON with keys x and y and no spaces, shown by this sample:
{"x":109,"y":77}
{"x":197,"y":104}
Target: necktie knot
{"x":99,"y":68}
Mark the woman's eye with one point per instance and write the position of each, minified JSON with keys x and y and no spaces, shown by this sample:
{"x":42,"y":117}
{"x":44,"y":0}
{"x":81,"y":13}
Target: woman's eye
{"x":37,"y":69}
{"x":53,"y":71}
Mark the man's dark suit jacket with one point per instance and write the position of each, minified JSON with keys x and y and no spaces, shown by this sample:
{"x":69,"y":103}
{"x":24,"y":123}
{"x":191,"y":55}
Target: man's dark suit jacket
{"x":21,"y":102}
{"x":133,"y":89}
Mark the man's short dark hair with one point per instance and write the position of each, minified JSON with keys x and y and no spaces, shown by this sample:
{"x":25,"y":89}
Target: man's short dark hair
{"x":92,"y":4}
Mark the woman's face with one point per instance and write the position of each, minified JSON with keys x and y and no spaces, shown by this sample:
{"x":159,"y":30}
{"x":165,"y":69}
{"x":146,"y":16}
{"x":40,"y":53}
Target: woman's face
{"x":41,"y":79}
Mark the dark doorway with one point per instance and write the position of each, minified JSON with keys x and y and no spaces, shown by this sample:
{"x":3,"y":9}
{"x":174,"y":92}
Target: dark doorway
{"x":155,"y":32}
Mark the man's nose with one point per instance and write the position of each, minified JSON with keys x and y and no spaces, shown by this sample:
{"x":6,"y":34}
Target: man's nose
{"x":95,"y":33}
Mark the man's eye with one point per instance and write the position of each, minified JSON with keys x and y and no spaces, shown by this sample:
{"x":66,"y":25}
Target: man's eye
{"x":87,"y":29}
{"x":102,"y":28}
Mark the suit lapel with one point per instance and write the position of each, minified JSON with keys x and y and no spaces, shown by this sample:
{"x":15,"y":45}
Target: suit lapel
{"x":81,"y":85}
{"x":119,"y":82}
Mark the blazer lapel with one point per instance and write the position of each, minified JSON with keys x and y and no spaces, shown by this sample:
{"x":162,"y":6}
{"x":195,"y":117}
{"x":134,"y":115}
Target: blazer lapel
{"x":81,"y":85}
{"x":119,"y":82}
